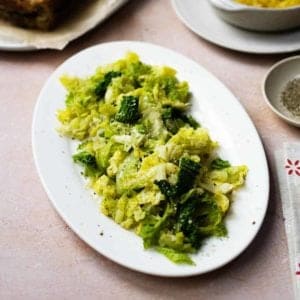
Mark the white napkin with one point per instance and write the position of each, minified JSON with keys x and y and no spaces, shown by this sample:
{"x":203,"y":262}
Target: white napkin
{"x":288,"y":170}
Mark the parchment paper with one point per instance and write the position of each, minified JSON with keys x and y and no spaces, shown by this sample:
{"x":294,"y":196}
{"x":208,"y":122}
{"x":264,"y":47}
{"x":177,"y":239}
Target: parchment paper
{"x":84,"y":18}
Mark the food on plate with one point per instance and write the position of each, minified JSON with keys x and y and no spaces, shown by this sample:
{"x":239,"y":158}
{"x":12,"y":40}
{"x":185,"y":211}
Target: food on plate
{"x":271,"y":3}
{"x":155,"y":167}
{"x":38,"y":14}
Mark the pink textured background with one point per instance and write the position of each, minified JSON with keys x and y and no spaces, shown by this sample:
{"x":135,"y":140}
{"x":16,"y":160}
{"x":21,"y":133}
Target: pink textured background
{"x":40,"y":258}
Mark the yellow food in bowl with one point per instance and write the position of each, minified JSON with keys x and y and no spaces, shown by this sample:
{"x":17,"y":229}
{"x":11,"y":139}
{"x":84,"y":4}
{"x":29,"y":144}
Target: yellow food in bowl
{"x":270,"y":3}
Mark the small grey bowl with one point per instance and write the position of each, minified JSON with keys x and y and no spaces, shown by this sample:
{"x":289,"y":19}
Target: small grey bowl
{"x":257,"y":18}
{"x":274,"y":83}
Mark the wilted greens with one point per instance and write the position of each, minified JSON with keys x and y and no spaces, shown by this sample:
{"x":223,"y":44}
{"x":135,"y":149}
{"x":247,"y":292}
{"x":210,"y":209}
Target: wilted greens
{"x":153,"y":164}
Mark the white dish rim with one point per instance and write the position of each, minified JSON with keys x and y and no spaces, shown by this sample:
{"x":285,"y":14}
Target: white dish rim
{"x":220,"y":43}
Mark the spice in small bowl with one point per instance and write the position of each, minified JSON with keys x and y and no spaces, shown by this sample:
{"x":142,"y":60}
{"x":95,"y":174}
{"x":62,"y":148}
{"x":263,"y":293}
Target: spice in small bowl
{"x":281,"y":89}
{"x":290,"y":96}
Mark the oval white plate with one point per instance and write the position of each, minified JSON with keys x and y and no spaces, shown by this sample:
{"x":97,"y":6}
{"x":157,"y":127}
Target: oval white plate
{"x":200,"y":17}
{"x":213,"y":105}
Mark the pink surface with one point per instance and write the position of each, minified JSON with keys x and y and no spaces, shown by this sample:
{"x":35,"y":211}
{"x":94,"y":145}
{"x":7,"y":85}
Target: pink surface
{"x":40,"y":258}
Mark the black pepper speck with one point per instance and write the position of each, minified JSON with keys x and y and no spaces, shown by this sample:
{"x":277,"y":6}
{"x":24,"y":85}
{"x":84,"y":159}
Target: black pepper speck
{"x":290,"y":96}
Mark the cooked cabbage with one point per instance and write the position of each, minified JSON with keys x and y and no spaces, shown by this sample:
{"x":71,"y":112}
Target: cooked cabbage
{"x":153,"y":165}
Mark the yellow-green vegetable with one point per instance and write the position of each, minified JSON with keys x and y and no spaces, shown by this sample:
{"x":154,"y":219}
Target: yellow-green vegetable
{"x":152,"y":163}
{"x":270,"y":3}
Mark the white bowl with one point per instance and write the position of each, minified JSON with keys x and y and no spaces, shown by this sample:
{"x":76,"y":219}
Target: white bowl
{"x":274,"y":83}
{"x":257,"y":18}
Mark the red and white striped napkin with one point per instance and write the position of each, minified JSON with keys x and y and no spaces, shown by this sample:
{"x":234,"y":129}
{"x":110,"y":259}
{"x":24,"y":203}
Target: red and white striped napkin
{"x":288,"y":170}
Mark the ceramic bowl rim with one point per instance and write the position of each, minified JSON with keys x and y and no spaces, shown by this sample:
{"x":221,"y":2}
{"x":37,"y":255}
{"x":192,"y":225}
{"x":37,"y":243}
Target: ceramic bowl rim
{"x":250,"y":8}
{"x":266,"y":97}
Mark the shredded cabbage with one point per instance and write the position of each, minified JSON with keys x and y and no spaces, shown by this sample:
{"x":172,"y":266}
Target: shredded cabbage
{"x":153,"y":165}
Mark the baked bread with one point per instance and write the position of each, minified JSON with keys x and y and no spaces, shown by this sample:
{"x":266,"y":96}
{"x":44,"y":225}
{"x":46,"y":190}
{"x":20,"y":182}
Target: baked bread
{"x":38,"y":14}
